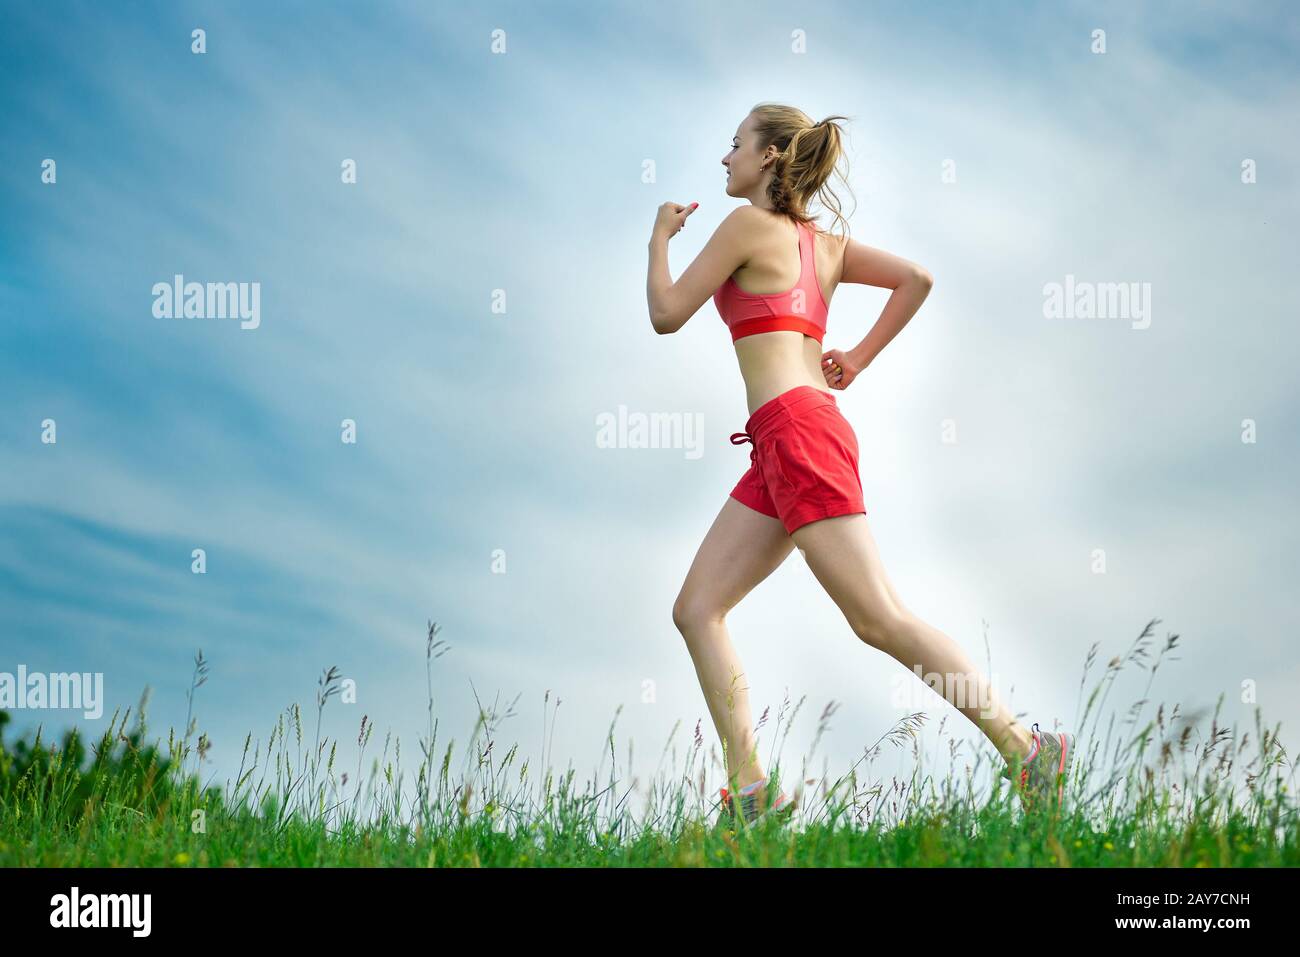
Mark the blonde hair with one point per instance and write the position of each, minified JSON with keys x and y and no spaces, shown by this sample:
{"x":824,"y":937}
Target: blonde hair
{"x":810,"y":153}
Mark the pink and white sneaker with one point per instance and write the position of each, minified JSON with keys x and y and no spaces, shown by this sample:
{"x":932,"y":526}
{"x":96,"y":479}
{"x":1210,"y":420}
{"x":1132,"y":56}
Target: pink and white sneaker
{"x":1044,"y":770}
{"x":748,"y":802}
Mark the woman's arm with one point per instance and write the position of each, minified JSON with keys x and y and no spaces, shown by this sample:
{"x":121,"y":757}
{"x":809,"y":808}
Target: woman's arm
{"x":911,"y":284}
{"x":673,"y":303}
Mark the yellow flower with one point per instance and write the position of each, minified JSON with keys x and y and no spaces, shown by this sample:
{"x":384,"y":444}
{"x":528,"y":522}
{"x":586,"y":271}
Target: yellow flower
{"x":1109,"y":846}
{"x":1078,"y":842}
{"x":182,"y":858}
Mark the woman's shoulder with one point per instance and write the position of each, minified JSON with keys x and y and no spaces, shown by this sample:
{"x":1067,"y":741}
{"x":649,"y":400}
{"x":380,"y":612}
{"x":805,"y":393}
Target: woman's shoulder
{"x":751,"y":218}
{"x":744,"y":220}
{"x":834,"y":241}
{"x":750,"y":215}
{"x":835,"y":245}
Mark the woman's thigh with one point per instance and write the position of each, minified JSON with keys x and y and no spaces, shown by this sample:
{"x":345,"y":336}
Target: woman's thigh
{"x":741,"y":548}
{"x":843,"y":556}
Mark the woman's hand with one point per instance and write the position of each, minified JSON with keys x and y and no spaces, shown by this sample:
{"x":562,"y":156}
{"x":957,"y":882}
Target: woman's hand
{"x":671,"y":219}
{"x":839,"y":369}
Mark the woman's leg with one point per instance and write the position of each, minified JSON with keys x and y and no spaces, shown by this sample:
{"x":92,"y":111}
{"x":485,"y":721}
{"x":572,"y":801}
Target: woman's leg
{"x":742,"y":547}
{"x":842,"y":554}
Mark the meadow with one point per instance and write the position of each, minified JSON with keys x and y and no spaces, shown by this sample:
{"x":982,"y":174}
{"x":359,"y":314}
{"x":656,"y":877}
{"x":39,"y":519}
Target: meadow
{"x":1152,"y":787}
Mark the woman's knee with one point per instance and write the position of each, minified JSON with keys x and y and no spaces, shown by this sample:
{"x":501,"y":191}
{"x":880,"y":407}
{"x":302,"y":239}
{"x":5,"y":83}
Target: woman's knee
{"x":887,"y":626}
{"x":692,"y":613}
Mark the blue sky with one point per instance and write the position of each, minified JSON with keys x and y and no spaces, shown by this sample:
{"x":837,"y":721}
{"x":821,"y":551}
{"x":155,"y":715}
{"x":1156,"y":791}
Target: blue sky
{"x":523,"y":172}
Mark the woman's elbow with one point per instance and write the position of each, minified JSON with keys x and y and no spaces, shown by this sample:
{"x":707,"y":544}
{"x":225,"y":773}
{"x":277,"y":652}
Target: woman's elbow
{"x":664,"y":324}
{"x":921,"y":276}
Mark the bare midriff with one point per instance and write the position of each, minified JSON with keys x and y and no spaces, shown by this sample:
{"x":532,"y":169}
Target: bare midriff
{"x":776,"y":362}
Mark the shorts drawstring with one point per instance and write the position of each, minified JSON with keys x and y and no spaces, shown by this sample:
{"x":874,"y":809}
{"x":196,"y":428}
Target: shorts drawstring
{"x":740,"y":438}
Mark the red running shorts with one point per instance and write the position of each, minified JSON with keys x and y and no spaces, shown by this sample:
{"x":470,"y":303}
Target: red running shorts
{"x":804,"y":461}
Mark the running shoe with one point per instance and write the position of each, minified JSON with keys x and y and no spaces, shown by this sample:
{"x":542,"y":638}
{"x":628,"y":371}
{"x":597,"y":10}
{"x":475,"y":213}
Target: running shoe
{"x":1044,"y":770}
{"x":747,"y":802}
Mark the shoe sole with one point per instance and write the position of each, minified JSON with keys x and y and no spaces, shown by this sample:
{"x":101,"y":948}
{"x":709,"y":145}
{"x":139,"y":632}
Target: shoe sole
{"x":1066,"y":742}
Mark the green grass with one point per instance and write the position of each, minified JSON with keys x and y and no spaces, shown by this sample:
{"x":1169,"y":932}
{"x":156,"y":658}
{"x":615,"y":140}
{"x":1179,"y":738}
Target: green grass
{"x":1163,"y":792}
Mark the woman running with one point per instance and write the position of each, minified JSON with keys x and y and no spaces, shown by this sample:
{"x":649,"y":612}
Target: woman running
{"x":771,"y":274}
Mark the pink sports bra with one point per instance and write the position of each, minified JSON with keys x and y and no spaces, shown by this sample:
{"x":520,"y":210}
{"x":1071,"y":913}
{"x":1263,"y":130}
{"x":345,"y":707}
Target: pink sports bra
{"x":801,"y":309}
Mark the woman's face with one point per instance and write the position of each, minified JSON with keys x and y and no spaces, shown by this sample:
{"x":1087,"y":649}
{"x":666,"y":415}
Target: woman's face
{"x":744,"y":178}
